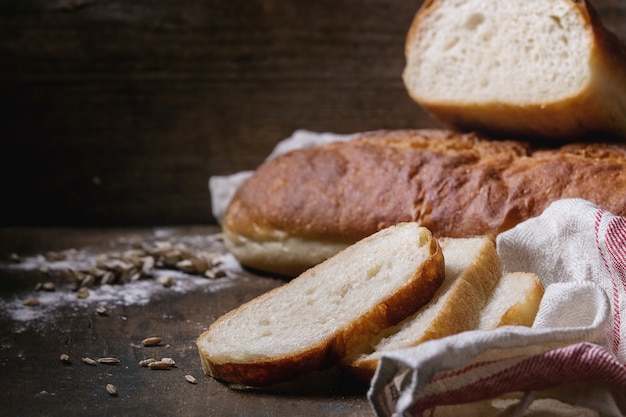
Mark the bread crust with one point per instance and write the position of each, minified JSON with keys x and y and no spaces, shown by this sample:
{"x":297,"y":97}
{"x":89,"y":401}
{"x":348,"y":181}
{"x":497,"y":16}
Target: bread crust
{"x":456,"y":185}
{"x":457,"y":306}
{"x":524,"y":313}
{"x":404,"y":301}
{"x":597,"y":110}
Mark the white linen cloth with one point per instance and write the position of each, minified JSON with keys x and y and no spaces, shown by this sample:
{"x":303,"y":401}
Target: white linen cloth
{"x":573,"y":355}
{"x":571,"y":362}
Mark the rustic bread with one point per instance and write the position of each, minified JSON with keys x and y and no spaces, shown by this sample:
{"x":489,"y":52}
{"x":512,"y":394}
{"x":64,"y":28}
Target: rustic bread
{"x":319,"y":317}
{"x":531,"y":68}
{"x":472,"y":270}
{"x":514,"y":302}
{"x":304,"y":206}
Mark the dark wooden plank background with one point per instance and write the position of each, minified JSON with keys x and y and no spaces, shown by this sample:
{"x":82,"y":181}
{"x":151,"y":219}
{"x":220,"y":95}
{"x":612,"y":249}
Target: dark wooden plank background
{"x":116,"y":113}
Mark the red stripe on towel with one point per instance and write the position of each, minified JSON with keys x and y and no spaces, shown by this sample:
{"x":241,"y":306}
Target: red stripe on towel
{"x":581,"y":362}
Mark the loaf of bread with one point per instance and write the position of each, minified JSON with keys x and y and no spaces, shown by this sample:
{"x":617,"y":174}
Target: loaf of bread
{"x":302,"y":207}
{"x":518,"y":68}
{"x":319,"y":317}
{"x":472,"y":270}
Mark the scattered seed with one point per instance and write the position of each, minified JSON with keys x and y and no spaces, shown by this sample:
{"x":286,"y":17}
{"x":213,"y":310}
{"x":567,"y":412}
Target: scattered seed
{"x":111,"y":390}
{"x":88,"y":280}
{"x":109,"y":361}
{"x":89,"y":361}
{"x":72,"y":275}
{"x":215,"y":273}
{"x":151,"y":341}
{"x":147,"y":264}
{"x":191,"y":379}
{"x":185,"y":265}
{"x":96,"y":272}
{"x":121,"y":267}
{"x":65,"y":358}
{"x":166,"y":281}
{"x":82,"y":292}
{"x":168,"y":361}
{"x":102,"y":311}
{"x":107,"y":278}
{"x":31,"y":302}
{"x":118,"y":265}
{"x":199,"y":264}
{"x":171,"y":258}
{"x":159,"y":365}
{"x":146,"y":362}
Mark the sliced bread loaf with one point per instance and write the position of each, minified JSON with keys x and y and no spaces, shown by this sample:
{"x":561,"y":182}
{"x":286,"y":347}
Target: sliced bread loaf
{"x":514,"y":302}
{"x":473,"y":268}
{"x":529,"y":68}
{"x":317,"y":318}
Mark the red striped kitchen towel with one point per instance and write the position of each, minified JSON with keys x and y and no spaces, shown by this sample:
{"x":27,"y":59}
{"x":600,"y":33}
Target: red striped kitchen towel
{"x":571,"y":362}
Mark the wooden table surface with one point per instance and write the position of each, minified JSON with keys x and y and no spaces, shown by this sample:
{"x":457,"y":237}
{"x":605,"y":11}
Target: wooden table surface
{"x":115,"y":114}
{"x":35,"y":382}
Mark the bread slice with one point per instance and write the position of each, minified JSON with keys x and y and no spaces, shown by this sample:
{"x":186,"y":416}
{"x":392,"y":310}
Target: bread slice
{"x":530,"y":68}
{"x":317,"y":318}
{"x":473,"y":268}
{"x":514,"y":302}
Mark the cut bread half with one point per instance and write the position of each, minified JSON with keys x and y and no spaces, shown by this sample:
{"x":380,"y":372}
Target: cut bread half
{"x":517,"y":68}
{"x":473,"y":268}
{"x":314,"y":320}
{"x":514,"y":302}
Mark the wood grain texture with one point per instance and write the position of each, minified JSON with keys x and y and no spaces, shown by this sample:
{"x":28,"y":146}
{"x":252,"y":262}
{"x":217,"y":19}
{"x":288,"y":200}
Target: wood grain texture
{"x":36,"y":383}
{"x":117,"y":113}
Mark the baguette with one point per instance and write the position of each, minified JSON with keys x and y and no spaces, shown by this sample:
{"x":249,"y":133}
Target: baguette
{"x":472,"y":270}
{"x":302,"y":207}
{"x":518,"y":68}
{"x":317,"y":318}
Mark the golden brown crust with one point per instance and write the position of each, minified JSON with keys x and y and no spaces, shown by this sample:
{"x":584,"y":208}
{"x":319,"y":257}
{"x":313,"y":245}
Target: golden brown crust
{"x":524,"y":313}
{"x":405,"y":300}
{"x":465,"y":297}
{"x":457,"y":185}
